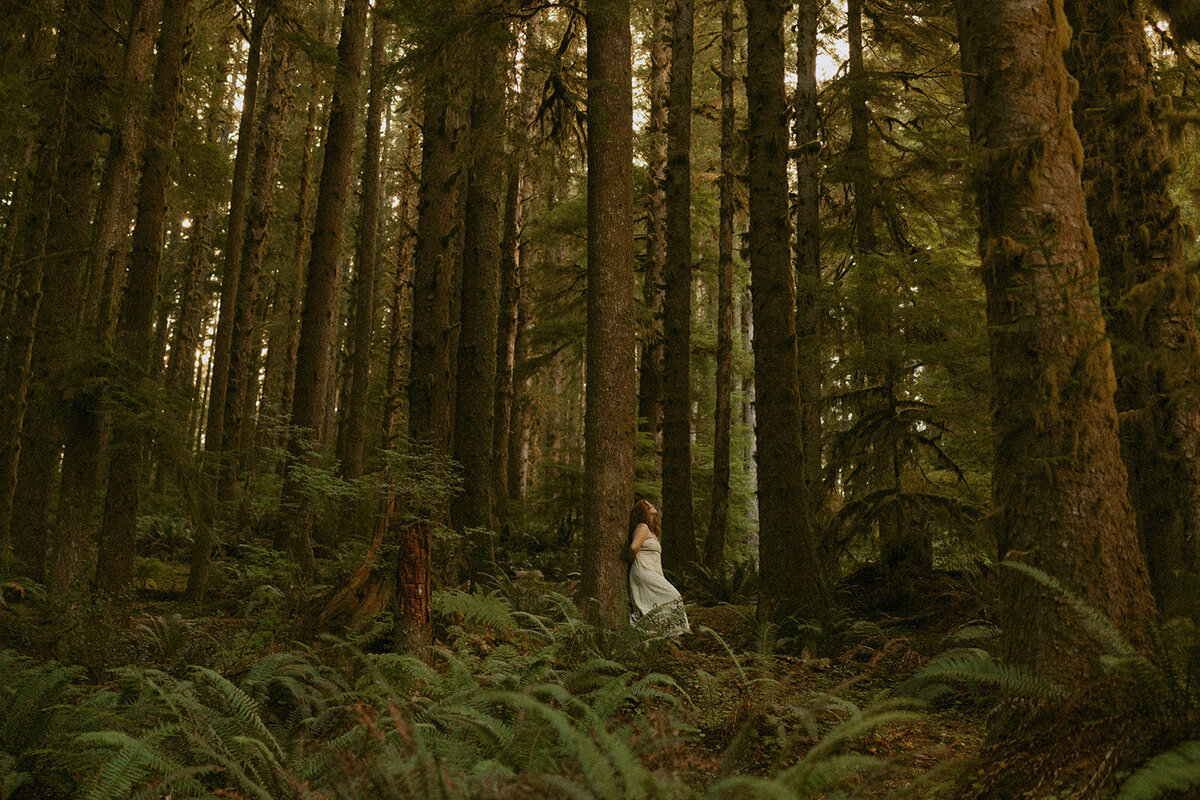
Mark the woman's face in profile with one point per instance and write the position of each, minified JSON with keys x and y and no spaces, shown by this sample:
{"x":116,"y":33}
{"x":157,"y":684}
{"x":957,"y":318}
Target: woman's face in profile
{"x":651,"y":512}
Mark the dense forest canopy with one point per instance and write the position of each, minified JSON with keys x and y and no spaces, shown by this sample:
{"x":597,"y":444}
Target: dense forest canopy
{"x":341,"y":337}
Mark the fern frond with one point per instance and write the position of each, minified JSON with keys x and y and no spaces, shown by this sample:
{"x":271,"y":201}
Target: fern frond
{"x":1178,"y":769}
{"x":974,"y":669}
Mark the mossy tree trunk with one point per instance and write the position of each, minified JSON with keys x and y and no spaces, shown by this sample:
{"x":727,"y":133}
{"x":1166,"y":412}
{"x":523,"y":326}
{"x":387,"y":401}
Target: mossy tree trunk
{"x":1148,"y":298}
{"x":1058,"y":486}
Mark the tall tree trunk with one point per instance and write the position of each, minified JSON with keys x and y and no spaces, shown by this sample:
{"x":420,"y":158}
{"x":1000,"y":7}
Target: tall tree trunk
{"x":51,"y":396}
{"x":475,"y":405}
{"x":520,"y":433}
{"x":84,"y":422}
{"x":1145,"y":289}
{"x":218,"y":376}
{"x":1059,"y":486}
{"x":859,"y":152}
{"x":429,"y":380}
{"x":510,"y":275}
{"x":365,"y":256}
{"x":650,"y":375}
{"x":118,"y":187}
{"x":244,"y":347}
{"x":809,"y":313}
{"x":135,"y":326}
{"x":714,"y":543}
{"x":609,"y":422}
{"x":28,"y":270}
{"x":321,"y":292}
{"x":400,"y":326}
{"x":792,"y":580}
{"x":678,"y":525}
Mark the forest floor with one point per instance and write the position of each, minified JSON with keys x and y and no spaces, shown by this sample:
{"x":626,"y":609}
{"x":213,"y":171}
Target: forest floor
{"x":801,"y":698}
{"x":749,"y":704}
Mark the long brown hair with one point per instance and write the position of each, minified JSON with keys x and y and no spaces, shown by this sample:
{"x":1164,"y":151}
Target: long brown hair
{"x":639,"y":515}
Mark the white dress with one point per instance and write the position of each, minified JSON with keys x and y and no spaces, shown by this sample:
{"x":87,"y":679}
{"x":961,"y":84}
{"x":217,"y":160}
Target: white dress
{"x":656,"y":603}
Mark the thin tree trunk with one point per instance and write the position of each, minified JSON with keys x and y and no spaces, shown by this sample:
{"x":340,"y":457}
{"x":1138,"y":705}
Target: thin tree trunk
{"x":321,"y":292}
{"x":218,"y":376}
{"x":678,"y":525}
{"x":135,"y":332}
{"x":1148,"y":297}
{"x":365,"y":256}
{"x":400,"y":328}
{"x":792,"y":580}
{"x":608,"y":491}
{"x":809,"y":314}
{"x":714,"y":543}
{"x":650,"y":376}
{"x":260,"y":204}
{"x":475,"y":406}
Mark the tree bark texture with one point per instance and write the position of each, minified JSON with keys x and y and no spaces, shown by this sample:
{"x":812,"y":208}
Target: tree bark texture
{"x":650,"y":375}
{"x":471,"y":508}
{"x":260,"y":205}
{"x":809,"y":312}
{"x":1059,"y":486}
{"x":792,"y":581}
{"x":1148,"y":298}
{"x":714,"y":542}
{"x":609,"y":421}
{"x":511,"y":277}
{"x":135,"y":326}
{"x":429,"y":380}
{"x":365,"y":257}
{"x":51,"y":395}
{"x":678,"y":524}
{"x":319,"y":317}
{"x":401,"y":310}
{"x":27,"y":271}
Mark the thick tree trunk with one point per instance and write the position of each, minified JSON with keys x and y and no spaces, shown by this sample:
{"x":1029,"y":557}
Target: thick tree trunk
{"x":52,"y":397}
{"x":27,"y":271}
{"x":1147,"y":295}
{"x":809,"y":313}
{"x":678,"y":525}
{"x":244,"y":347}
{"x":792,"y":580}
{"x":429,"y":380}
{"x":135,"y":326}
{"x":365,"y":256}
{"x":471,"y":508}
{"x":608,"y":492}
{"x":1059,"y":486}
{"x":650,"y":375}
{"x":714,"y":542}
{"x":321,"y":292}
{"x":859,"y":152}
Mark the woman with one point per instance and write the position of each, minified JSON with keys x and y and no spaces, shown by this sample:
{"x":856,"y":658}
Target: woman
{"x":654,"y":599}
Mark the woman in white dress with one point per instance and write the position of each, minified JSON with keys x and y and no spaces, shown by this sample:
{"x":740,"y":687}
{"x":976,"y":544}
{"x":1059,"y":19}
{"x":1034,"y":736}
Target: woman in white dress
{"x":656,"y":603}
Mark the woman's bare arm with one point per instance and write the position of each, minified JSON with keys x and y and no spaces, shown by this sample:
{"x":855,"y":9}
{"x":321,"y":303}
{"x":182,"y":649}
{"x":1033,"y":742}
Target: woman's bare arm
{"x":640,"y":534}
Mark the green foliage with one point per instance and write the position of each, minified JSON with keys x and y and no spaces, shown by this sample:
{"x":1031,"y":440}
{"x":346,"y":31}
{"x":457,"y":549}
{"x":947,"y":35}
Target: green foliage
{"x":1178,"y":769}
